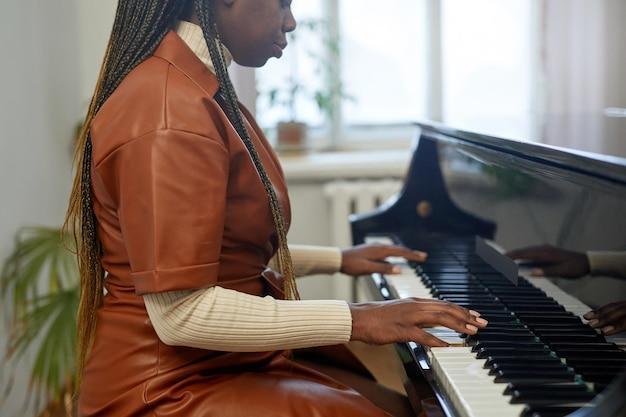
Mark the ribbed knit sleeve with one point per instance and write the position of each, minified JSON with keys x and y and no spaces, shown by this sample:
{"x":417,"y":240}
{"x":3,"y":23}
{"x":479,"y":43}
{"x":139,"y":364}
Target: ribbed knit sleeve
{"x":608,"y":263}
{"x":225,"y":320}
{"x":311,"y":260}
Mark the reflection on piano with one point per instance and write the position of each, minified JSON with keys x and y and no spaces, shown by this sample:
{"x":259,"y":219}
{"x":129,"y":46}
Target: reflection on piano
{"x":538,"y":356}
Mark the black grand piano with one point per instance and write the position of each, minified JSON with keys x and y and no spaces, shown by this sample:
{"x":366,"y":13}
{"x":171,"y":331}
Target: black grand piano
{"x":469,"y":197}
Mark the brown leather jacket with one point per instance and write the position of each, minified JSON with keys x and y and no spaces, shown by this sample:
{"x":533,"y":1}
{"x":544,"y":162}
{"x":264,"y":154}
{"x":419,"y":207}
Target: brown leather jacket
{"x":180,"y":206}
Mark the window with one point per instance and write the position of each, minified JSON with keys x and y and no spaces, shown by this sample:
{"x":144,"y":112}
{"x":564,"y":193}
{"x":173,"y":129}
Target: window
{"x":407,"y":60}
{"x":381,"y":65}
{"x":383,"y":61}
{"x":488,"y":75}
{"x":299,"y":64}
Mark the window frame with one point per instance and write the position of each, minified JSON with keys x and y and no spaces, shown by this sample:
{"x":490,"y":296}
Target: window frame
{"x":334,"y":134}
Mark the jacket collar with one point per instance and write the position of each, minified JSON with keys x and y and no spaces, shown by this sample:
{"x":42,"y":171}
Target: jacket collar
{"x":175,"y":51}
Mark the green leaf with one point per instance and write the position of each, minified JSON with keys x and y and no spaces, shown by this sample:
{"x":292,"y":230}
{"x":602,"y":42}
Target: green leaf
{"x":39,"y":290}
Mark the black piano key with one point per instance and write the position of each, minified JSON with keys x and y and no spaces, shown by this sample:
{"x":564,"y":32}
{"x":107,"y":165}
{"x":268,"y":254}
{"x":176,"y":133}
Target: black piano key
{"x":547,"y":411}
{"x":598,"y":377}
{"x":520,"y":359}
{"x":555,"y":325}
{"x":541,"y":320}
{"x":435,"y":269}
{"x":460,"y":285}
{"x":498,"y":318}
{"x":537,"y":369}
{"x":536,"y":307}
{"x":586,"y":353}
{"x":550,"y":315}
{"x":486,"y":302}
{"x":505,"y":316}
{"x":515,"y":292}
{"x":484,"y":353}
{"x":508,"y":344}
{"x":443,"y":278}
{"x":550,"y":396}
{"x":557,"y":385}
{"x":506,"y":326}
{"x":576,"y":345}
{"x":449,"y":293}
{"x":573,"y":335}
{"x":564,"y":327}
{"x":593,"y":367}
{"x":505,"y":331}
{"x":527,"y":299}
{"x":480,"y":269}
{"x":484,"y":309}
{"x":544,"y":378}
{"x":599,"y":361}
{"x":505,"y":337}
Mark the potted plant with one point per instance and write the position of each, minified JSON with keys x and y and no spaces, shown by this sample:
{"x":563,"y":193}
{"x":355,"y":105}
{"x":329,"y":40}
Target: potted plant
{"x":39,"y":292}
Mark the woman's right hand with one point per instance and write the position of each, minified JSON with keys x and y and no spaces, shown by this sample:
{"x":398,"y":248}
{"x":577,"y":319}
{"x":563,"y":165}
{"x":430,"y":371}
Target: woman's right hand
{"x":396,"y":321}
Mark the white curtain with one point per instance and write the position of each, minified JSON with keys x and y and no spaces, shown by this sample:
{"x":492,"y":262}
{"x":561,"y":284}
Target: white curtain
{"x":584,"y":61}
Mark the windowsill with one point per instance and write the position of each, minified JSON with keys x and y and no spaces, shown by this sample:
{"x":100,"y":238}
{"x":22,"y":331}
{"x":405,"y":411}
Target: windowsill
{"x":345,"y":164}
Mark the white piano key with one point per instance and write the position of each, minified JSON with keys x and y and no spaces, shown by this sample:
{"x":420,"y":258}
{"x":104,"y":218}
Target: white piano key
{"x":407,"y":284}
{"x":468,"y":385}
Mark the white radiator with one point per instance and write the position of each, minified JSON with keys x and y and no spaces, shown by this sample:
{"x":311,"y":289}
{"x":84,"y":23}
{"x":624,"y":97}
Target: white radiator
{"x":353,"y":197}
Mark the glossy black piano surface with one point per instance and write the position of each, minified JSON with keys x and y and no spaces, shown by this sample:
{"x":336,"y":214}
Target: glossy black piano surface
{"x":461,"y":185}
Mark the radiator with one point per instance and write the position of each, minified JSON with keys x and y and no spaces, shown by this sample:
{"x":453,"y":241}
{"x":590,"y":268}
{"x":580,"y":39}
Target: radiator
{"x":353,"y":197}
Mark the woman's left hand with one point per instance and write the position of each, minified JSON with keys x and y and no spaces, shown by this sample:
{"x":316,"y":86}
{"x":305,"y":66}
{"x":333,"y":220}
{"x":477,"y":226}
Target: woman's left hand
{"x":368,"y":259}
{"x":611,"y":318}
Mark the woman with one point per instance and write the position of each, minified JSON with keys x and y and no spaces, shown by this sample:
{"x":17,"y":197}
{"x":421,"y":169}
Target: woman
{"x":182,"y":202}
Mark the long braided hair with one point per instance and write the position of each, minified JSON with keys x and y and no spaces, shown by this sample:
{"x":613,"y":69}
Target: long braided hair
{"x":138,"y":28}
{"x":204,"y":11}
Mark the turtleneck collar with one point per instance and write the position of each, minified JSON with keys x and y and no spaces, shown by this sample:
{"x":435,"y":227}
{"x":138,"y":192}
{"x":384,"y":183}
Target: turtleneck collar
{"x":193,"y":36}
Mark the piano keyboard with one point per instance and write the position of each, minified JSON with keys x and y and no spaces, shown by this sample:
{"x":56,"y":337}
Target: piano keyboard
{"x":537,"y":357}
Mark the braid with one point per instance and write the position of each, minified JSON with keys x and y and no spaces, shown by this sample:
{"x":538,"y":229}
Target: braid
{"x":204,"y":11}
{"x":138,"y":28}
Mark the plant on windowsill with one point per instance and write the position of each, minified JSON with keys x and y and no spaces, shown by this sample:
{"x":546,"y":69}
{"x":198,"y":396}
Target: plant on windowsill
{"x":39,"y":293}
{"x":291,"y":134}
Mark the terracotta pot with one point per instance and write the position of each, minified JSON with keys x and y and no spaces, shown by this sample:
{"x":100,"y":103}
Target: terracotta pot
{"x":291,"y":135}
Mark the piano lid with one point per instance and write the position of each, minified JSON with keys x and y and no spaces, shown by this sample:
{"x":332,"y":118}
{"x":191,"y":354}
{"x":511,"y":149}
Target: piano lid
{"x":602,"y":166}
{"x":517,"y":193}
{"x":596,"y":132}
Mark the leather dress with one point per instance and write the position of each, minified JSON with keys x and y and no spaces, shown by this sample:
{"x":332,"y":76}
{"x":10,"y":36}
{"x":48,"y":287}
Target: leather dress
{"x":180,"y":206}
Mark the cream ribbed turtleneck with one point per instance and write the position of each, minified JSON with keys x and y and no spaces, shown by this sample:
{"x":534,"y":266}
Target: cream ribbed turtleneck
{"x":193,"y":36}
{"x":226,"y":320}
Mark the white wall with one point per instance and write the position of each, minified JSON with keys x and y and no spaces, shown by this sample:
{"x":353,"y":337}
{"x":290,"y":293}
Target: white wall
{"x":95,"y":19}
{"x":49,"y":64}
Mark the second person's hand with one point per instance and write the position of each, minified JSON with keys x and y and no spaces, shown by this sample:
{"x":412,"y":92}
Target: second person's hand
{"x":557,"y":262}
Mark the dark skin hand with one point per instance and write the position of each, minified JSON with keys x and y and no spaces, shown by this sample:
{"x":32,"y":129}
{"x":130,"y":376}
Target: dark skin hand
{"x":399,"y":321}
{"x":555,"y":262}
{"x":611,"y":318}
{"x":369,"y":259}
